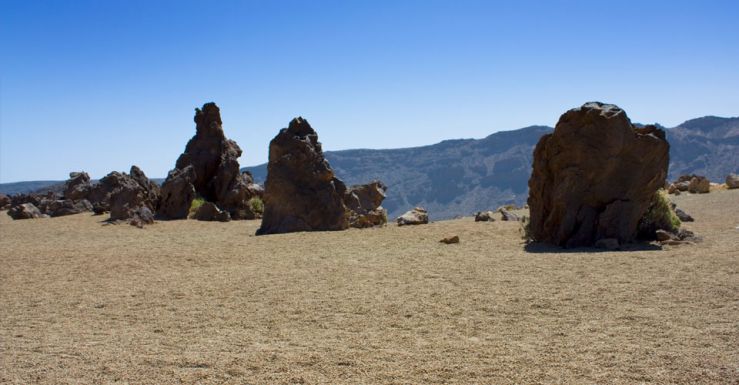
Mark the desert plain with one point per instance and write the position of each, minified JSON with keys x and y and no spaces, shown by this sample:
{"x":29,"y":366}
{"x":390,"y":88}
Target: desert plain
{"x":204,"y":302}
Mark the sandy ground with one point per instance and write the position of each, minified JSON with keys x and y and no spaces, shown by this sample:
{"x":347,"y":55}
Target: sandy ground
{"x":194,"y":302}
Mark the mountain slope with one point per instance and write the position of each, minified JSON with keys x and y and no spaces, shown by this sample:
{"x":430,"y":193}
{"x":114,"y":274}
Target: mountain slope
{"x":454,"y":177}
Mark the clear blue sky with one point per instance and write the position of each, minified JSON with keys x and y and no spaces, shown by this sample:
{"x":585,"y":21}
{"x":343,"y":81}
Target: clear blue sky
{"x":100,"y":85}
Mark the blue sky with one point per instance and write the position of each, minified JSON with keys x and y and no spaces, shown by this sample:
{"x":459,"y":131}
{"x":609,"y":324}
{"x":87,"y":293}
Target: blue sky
{"x":101,"y":85}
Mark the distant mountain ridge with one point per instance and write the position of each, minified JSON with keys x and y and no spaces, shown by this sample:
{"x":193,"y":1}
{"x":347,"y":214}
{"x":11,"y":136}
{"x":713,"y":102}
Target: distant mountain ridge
{"x":461,"y":176}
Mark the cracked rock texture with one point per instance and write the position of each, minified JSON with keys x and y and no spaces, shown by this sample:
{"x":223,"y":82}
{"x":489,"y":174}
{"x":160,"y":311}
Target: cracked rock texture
{"x":593,"y":178}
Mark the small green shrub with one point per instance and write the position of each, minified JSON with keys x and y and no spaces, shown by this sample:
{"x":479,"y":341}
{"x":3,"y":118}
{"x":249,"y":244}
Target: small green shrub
{"x":659,"y":216}
{"x":256,"y":205}
{"x":195,"y":205}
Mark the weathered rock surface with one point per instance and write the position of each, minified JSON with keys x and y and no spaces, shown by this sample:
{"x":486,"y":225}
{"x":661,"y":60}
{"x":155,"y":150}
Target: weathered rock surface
{"x":485,"y":216}
{"x":699,"y":185}
{"x":62,"y":207}
{"x":732,"y":181}
{"x":141,"y":216}
{"x":78,"y":186}
{"x":4,"y":202}
{"x":214,"y":160}
{"x":364,"y":203}
{"x":208,"y":211}
{"x":301,"y":191}
{"x":607,"y":243}
{"x":594,"y":177}
{"x":133,"y":192}
{"x":417,"y":216}
{"x":177,"y":194}
{"x":25,"y":211}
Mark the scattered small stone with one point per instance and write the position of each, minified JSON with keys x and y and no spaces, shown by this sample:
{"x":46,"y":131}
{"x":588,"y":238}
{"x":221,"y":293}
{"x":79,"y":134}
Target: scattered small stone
{"x":417,"y":216}
{"x":683,"y":216}
{"x":450,"y":240}
{"x":663,"y":235}
{"x":508,"y":216}
{"x":732,"y":181}
{"x":485,"y":216}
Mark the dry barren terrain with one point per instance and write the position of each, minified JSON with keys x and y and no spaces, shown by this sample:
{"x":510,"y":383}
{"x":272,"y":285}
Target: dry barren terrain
{"x":194,"y":302}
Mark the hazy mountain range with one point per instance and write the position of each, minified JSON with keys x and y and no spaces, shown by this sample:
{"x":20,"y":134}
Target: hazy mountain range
{"x":459,"y":177}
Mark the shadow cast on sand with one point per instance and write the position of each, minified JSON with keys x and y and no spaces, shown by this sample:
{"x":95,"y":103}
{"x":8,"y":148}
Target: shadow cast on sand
{"x":538,"y":247}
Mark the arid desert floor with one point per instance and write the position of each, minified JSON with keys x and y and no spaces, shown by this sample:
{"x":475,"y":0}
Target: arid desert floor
{"x":195,"y":302}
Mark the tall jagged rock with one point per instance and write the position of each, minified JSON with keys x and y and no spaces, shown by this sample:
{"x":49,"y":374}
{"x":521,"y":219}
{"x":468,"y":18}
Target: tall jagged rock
{"x":594,"y":177}
{"x":301,"y":191}
{"x":214,"y":160}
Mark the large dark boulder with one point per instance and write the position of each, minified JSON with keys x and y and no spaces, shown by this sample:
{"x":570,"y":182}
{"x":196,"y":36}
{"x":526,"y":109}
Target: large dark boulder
{"x":214,"y":160}
{"x":62,"y":207}
{"x":177,"y":194}
{"x":133,"y":192}
{"x":364,"y":203}
{"x":208,"y":211}
{"x":78,"y":186}
{"x":301,"y":191}
{"x":594,"y":177}
{"x":100,"y":193}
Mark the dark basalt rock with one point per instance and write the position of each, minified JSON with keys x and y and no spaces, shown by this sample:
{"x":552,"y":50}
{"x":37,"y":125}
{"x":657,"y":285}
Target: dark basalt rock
{"x":594,"y":177}
{"x":214,"y":160}
{"x":364,"y":203}
{"x":301,"y":191}
{"x":208,"y":211}
{"x":133,"y":192}
{"x":58,"y":208}
{"x":177,"y":194}
{"x":78,"y":186}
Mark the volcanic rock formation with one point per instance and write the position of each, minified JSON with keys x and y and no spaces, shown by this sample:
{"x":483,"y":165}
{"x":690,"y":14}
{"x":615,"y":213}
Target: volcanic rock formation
{"x":301,"y":191}
{"x":417,"y":216}
{"x":594,"y":177}
{"x":214,"y":160}
{"x":78,"y":186}
{"x":132,"y":193}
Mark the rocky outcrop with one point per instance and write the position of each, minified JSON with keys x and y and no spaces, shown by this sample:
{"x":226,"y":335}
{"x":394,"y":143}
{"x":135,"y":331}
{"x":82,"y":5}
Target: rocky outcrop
{"x":732,"y":181}
{"x":594,"y":177}
{"x":177,"y":194}
{"x":133,"y":192}
{"x":417,"y":216}
{"x":364,"y":205}
{"x":214,"y":161}
{"x":485,"y":216}
{"x":301,"y":191}
{"x":78,"y":186}
{"x":25,"y":211}
{"x":208,"y":211}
